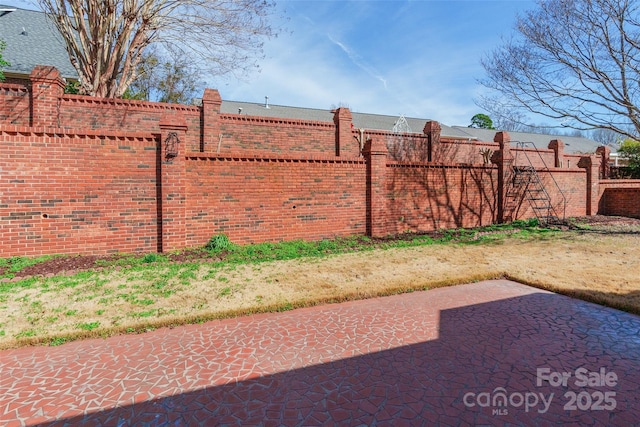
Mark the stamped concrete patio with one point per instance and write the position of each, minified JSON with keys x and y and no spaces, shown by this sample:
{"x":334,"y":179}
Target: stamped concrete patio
{"x":489,"y":353}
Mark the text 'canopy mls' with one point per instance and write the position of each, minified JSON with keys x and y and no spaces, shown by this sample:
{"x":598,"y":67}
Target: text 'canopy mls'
{"x":105,"y":39}
{"x":576,"y":61}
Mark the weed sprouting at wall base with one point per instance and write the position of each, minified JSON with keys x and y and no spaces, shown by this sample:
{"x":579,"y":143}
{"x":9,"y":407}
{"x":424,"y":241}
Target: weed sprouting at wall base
{"x":218,"y":243}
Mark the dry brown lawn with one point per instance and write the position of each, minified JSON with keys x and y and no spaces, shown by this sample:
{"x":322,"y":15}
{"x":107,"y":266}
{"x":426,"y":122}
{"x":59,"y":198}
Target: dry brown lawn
{"x":603,"y":268}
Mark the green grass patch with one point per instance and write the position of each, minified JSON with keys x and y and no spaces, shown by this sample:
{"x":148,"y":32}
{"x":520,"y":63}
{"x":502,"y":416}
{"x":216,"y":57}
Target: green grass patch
{"x":152,"y":267}
{"x":14,"y":264}
{"x":88,"y":326}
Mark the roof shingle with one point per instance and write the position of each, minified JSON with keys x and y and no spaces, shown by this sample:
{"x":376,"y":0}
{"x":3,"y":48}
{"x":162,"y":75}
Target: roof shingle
{"x":32,"y":40}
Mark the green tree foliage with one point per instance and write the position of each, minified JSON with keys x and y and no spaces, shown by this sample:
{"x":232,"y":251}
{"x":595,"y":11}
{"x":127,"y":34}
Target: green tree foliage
{"x":630,"y":150}
{"x":574,"y":61}
{"x":72,"y":88}
{"x":3,"y":62}
{"x":481,"y":121}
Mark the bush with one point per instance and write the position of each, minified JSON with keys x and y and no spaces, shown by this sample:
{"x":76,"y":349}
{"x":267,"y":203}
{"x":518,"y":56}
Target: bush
{"x":219,"y":242}
{"x":149,"y":258}
{"x":630,"y":150}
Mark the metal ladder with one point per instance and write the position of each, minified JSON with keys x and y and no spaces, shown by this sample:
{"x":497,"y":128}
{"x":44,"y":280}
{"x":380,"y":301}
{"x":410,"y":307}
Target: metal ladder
{"x":528,"y":184}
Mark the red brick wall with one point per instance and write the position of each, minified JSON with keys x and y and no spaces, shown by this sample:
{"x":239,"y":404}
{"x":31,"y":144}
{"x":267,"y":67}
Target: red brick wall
{"x":117,"y":115}
{"x":14,"y":104}
{"x":567,"y":190}
{"x":242,"y":134}
{"x":425,"y":198}
{"x":76,"y":193}
{"x":257,"y":199}
{"x":93,"y":176}
{"x":620,"y":197}
{"x":467,"y":152}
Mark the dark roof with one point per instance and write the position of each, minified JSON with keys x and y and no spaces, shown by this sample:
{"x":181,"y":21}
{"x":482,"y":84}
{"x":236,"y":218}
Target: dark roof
{"x":360,"y":120}
{"x":32,"y":40}
{"x":573,"y":145}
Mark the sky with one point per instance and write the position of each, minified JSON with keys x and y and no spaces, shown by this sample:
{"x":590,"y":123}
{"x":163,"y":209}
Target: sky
{"x":417,"y":58}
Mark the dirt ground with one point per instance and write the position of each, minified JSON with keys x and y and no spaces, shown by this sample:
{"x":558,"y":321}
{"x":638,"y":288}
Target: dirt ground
{"x":595,"y":259}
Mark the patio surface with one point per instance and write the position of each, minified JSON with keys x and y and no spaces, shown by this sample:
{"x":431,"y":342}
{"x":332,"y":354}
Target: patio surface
{"x":488,"y":353}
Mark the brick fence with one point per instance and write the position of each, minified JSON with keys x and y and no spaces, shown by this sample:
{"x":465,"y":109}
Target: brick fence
{"x":87,"y":175}
{"x":620,"y":197}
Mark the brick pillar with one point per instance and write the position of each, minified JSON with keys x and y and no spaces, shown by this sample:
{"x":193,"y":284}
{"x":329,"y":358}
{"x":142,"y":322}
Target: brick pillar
{"x":343,"y":119}
{"x":590,"y":163}
{"x":210,"y":121}
{"x":47,"y":87}
{"x":172,"y":200}
{"x":504,"y":159}
{"x":375,"y":153}
{"x":433,"y":130}
{"x":558,"y":151}
{"x":604,"y":153}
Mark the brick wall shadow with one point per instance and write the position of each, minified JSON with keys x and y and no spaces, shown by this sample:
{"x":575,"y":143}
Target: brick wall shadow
{"x":448,"y":192}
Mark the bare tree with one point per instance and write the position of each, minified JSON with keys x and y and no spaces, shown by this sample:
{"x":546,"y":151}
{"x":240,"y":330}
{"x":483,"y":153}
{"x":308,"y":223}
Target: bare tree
{"x":606,"y":137}
{"x":576,"y":61}
{"x":503,"y":116}
{"x":105,"y":39}
{"x":165,"y":77}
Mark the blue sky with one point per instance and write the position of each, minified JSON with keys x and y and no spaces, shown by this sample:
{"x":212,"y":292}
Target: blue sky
{"x":418,"y":58}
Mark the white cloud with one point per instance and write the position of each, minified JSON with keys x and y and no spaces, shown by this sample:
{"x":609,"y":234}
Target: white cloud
{"x":358,"y":61}
{"x":420,"y":59}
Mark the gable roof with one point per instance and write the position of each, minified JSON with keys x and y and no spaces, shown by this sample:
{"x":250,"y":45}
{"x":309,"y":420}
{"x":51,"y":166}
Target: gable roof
{"x":32,"y":40}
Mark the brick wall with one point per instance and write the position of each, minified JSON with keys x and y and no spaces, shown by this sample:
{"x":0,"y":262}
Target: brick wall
{"x":87,"y":175}
{"x":430,"y":197}
{"x":76,"y":192}
{"x":242,"y":134}
{"x":257,"y":199}
{"x":116,"y":115}
{"x":567,"y":190}
{"x":620,"y":197}
{"x":14,"y":104}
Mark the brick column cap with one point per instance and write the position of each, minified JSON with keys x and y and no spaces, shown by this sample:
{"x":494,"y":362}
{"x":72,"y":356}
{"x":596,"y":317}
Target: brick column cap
{"x":46,"y":73}
{"x":432,"y":126}
{"x":342,"y":114}
{"x":586,"y":162}
{"x":375,"y":146}
{"x":603,"y":150}
{"x":503,"y":138}
{"x":212,"y":97}
{"x":556,"y":144}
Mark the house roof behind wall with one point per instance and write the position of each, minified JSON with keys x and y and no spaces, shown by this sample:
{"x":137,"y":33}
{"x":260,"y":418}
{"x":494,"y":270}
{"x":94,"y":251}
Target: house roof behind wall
{"x":360,"y":120}
{"x":573,"y":144}
{"x":32,"y":40}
